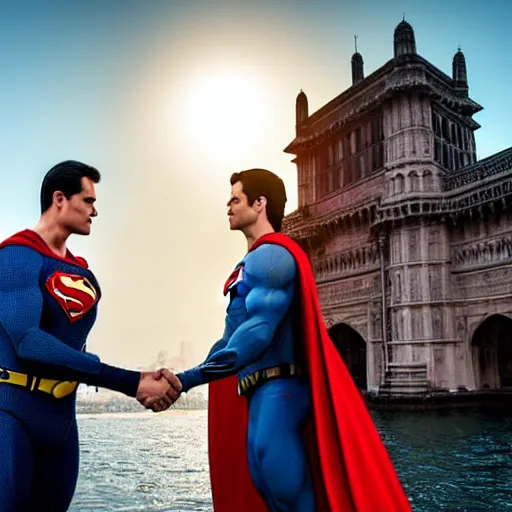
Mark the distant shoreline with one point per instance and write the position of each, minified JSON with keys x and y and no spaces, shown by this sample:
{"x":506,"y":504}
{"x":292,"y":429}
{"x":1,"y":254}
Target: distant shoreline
{"x":141,"y":414}
{"x":117,"y":403}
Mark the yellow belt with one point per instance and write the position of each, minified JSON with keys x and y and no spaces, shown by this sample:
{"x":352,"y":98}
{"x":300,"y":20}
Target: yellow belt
{"x":258,"y":378}
{"x":56,"y":388}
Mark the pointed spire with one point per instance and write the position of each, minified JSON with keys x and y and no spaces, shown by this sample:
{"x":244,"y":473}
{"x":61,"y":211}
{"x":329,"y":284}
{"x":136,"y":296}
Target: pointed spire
{"x":459,"y":72}
{"x":357,"y":64}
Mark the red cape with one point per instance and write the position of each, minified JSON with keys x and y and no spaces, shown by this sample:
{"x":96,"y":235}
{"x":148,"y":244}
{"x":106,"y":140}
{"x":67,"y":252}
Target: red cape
{"x":29,"y":238}
{"x":351,"y":468}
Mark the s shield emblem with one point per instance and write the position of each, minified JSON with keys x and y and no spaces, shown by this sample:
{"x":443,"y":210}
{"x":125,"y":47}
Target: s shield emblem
{"x":235,"y":277}
{"x":74,"y":293}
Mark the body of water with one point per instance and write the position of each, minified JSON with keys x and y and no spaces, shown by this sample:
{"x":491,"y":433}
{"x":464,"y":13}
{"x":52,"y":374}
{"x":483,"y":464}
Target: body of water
{"x":458,"y":461}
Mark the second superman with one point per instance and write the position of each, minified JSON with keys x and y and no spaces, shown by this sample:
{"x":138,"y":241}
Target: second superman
{"x":288,"y":429}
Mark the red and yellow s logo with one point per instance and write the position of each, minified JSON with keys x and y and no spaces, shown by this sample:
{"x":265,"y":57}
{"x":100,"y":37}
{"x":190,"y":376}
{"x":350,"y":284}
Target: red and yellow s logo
{"x":74,"y":293}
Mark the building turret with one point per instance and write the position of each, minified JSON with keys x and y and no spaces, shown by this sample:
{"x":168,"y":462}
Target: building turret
{"x":357,"y":65}
{"x":460,"y":76}
{"x":404,"y":40}
{"x":301,"y":109}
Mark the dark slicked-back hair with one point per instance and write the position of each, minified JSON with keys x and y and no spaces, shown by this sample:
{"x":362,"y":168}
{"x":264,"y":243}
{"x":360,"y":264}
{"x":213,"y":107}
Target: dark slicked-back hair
{"x":260,"y":182}
{"x":65,"y":177}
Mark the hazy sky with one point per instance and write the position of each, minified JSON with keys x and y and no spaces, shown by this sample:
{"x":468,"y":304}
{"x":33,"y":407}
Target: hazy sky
{"x":168,"y":98}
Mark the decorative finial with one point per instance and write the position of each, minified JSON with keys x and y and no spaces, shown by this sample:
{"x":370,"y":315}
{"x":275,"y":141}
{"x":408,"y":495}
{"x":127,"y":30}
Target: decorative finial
{"x":355,"y":41}
{"x":459,"y":48}
{"x":403,"y":19}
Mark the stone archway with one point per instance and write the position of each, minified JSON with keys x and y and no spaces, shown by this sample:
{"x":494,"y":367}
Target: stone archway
{"x":352,"y":348}
{"x":492,"y":353}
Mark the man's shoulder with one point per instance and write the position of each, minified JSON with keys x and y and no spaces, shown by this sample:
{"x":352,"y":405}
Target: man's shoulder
{"x":19,"y":255}
{"x":270,"y":265}
{"x":268,"y":252}
{"x":20,"y":266}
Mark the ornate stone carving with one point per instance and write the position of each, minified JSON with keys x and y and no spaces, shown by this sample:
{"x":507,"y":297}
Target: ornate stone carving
{"x":346,"y":262}
{"x":481,"y":170}
{"x":349,"y":290}
{"x":494,"y":282}
{"x":482,"y":253}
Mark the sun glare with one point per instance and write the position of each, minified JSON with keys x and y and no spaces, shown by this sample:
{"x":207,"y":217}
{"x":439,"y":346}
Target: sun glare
{"x":225,"y":111}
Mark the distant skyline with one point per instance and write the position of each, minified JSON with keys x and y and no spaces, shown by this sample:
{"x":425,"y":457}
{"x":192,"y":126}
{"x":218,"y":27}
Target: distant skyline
{"x":167,"y":99}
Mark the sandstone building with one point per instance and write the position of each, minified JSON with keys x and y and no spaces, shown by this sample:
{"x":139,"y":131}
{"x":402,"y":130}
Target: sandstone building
{"x":409,"y":235}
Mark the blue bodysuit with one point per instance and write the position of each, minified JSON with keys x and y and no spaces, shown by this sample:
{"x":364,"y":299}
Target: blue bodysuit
{"x":259,"y":337}
{"x":48,"y":305}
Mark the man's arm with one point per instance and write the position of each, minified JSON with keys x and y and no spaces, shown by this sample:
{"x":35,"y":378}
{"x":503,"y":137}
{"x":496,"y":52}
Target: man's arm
{"x":269,"y":274}
{"x":21,"y":305}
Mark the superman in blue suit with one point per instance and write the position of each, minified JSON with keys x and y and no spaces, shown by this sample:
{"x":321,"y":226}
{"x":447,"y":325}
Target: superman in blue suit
{"x":297,"y":436}
{"x":48,"y":305}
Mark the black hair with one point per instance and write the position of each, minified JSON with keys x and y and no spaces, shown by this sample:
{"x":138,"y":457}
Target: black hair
{"x":260,"y":182}
{"x":65,"y":177}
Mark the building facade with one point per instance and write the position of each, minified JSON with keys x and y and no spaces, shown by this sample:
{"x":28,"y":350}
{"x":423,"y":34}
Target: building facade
{"x":409,"y":235}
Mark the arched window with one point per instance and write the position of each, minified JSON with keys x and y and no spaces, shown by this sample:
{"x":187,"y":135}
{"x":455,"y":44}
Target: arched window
{"x":414,"y":181}
{"x":428,"y":181}
{"x":399,"y":183}
{"x":391,"y":186}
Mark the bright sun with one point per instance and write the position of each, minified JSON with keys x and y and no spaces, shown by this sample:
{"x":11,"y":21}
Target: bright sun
{"x":225,"y":111}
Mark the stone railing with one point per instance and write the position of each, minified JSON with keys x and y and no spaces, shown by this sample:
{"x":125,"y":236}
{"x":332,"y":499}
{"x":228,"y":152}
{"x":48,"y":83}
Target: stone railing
{"x":362,"y":259}
{"x":480,"y":170}
{"x":361,"y":196}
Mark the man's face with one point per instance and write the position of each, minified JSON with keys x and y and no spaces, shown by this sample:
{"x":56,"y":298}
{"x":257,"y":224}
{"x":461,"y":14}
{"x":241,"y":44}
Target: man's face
{"x":76,"y":213}
{"x":241,"y":214}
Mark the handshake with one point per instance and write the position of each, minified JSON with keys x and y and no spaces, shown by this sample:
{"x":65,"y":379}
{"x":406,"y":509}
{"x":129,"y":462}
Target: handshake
{"x":158,"y":390}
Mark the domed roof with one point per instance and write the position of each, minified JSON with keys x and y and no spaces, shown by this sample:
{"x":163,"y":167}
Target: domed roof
{"x":403,"y":26}
{"x":404,"y":39}
{"x":357,"y":57}
{"x":459,"y":56}
{"x":302,"y":96}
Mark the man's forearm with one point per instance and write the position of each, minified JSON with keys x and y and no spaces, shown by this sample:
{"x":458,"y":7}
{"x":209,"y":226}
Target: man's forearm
{"x":246,"y":345}
{"x":54,"y":359}
{"x":194,"y":377}
{"x":116,"y":379}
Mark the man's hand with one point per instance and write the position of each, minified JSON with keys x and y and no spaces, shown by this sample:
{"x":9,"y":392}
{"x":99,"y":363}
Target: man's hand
{"x":155,"y":392}
{"x":171,"y":378}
